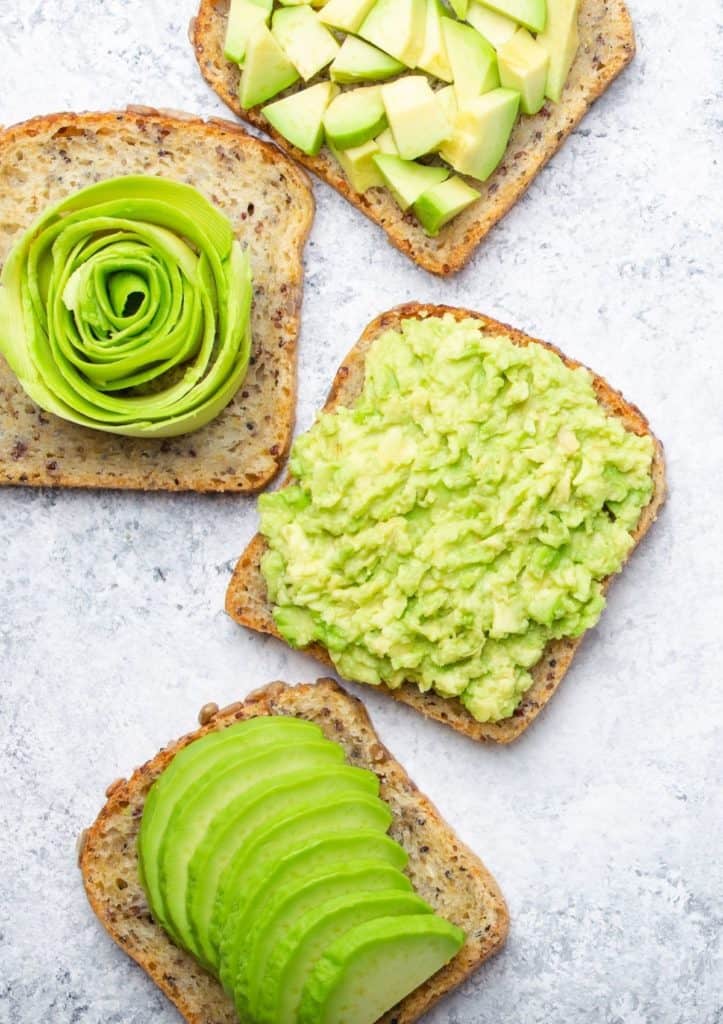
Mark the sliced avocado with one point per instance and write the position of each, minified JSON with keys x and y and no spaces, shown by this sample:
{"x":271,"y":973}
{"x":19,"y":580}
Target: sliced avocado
{"x":345,"y":15}
{"x":441,"y":203}
{"x":560,"y":41}
{"x":370,"y":968}
{"x":482,"y":130}
{"x":307,"y":43}
{"x":530,"y":13}
{"x":448,"y":98}
{"x":300,"y":116}
{"x":358,"y":165}
{"x":496,"y":28}
{"x":243,"y":17}
{"x":386,"y":143}
{"x":407,"y":180}
{"x":416,"y":117}
{"x":304,"y":861}
{"x":523,"y":66}
{"x":433,"y":58}
{"x":208,"y":798}
{"x":355,"y":117}
{"x":459,"y":7}
{"x":358,"y":61}
{"x":397,"y":27}
{"x":294,"y":958}
{"x":267,"y":69}
{"x":472,"y":59}
{"x":248,"y":813}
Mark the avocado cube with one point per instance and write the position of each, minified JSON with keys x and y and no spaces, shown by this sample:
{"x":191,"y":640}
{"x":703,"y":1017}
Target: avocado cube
{"x":448,"y":98}
{"x":523,"y":65}
{"x":307,"y":43}
{"x":433,"y":58}
{"x":560,"y":41}
{"x":355,"y":117}
{"x":441,"y":203}
{"x":397,"y":27}
{"x":243,"y":17}
{"x":358,"y":61}
{"x":300,"y":117}
{"x":386,"y":143}
{"x":416,"y":117}
{"x":267,"y":69}
{"x":407,"y":180}
{"x":472,"y":59}
{"x":358,"y":165}
{"x":345,"y":15}
{"x":481,"y":132}
{"x":496,"y":28}
{"x":459,"y":7}
{"x":530,"y":13}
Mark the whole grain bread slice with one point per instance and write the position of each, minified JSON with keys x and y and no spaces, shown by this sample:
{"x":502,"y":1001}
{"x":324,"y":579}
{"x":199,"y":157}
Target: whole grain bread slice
{"x":442,"y":869}
{"x":607,"y":45}
{"x":270,"y":205}
{"x":247,"y":601}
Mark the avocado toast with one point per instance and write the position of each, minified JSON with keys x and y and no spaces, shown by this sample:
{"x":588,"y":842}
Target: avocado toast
{"x":247,"y":597}
{"x":441,"y":869}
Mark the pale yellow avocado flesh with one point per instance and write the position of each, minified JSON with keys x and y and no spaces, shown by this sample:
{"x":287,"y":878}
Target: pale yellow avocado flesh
{"x":560,"y":40}
{"x":417,"y":119}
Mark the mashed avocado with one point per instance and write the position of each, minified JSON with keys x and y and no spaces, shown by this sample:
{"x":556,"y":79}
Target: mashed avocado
{"x":458,"y":517}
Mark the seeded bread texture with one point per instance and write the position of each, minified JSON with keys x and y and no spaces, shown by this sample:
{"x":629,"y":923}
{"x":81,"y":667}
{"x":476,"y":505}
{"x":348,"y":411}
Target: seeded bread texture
{"x":607,"y":45}
{"x":269,"y":203}
{"x":443,"y":871}
{"x":247,"y":600}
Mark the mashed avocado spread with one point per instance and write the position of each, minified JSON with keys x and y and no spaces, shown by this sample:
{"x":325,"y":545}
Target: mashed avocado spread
{"x":456,"y":518}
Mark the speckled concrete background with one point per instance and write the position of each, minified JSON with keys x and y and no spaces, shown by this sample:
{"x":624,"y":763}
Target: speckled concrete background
{"x":602,"y":824}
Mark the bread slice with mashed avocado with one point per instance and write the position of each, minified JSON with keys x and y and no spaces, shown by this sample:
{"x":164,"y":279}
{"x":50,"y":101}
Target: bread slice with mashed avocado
{"x":402,"y":886}
{"x":453,"y":520}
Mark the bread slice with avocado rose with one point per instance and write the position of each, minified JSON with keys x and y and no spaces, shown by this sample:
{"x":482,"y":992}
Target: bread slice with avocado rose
{"x":452,"y":880}
{"x":607,"y":45}
{"x":247,"y":598}
{"x":269,"y":204}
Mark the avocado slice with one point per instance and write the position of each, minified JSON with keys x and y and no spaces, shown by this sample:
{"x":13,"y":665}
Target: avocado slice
{"x":358,"y":165}
{"x":267,"y":69}
{"x":247,"y":814}
{"x":243,"y":17}
{"x":407,"y":180}
{"x":417,"y":119}
{"x":372,"y":967}
{"x":345,"y":15}
{"x":433,"y":58}
{"x":523,"y":66}
{"x":482,"y":130}
{"x":300,"y":116}
{"x":397,"y":27}
{"x":459,"y":7}
{"x":472,"y":59}
{"x":530,"y":13}
{"x":293,"y":959}
{"x":358,"y":61}
{"x":307,"y":43}
{"x":355,"y":117}
{"x":496,"y":28}
{"x":242,"y":901}
{"x":560,"y":41}
{"x":441,"y":203}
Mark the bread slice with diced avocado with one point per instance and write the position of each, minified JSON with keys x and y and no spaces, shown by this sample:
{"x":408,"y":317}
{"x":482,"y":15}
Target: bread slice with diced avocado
{"x":385,"y":932}
{"x":247,"y":598}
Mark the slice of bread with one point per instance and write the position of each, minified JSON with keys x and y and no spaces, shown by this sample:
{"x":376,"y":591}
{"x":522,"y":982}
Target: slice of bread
{"x":246,"y":598}
{"x":269,"y":203}
{"x":607,"y":45}
{"x":443,"y":871}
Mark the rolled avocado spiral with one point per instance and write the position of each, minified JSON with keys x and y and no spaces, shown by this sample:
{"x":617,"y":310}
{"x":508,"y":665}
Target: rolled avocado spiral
{"x":126,"y":308}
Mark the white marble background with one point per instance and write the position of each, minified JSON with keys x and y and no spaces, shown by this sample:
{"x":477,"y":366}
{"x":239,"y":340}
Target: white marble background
{"x":602,"y":825}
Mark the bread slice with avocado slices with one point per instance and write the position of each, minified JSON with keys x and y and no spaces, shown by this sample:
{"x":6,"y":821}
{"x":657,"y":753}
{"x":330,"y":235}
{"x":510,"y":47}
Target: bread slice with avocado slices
{"x":607,"y":45}
{"x":269,"y":203}
{"x":247,"y":598}
{"x":442,"y":871}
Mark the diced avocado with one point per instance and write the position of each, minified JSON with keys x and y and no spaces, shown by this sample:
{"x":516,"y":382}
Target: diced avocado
{"x":441,"y":203}
{"x":472,"y":59}
{"x":307,"y":43}
{"x":300,"y":117}
{"x":243,"y":17}
{"x":355,"y":116}
{"x":346,"y":15}
{"x":370,"y":968}
{"x":294,"y":958}
{"x":358,"y":165}
{"x":407,"y":180}
{"x":523,"y":66}
{"x":496,"y":28}
{"x":482,"y":130}
{"x":530,"y":13}
{"x":358,"y":61}
{"x":459,"y":7}
{"x":416,"y":117}
{"x":267,"y":69}
{"x":433,"y":58}
{"x":448,"y":98}
{"x":560,"y":41}
{"x":397,"y":27}
{"x":386,"y":143}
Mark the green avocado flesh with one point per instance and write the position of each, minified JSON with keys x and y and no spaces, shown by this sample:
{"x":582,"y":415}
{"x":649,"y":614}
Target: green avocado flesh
{"x":260,"y":847}
{"x":459,"y":516}
{"x":126,"y":308}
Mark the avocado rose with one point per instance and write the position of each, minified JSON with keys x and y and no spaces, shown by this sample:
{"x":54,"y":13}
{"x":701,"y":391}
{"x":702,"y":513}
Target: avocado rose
{"x":126,"y":308}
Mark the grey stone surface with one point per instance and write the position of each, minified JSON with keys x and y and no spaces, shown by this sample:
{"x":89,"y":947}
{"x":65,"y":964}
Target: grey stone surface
{"x":603,"y":823}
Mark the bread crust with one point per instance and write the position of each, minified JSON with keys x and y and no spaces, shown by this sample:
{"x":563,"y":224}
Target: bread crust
{"x":269,"y":202}
{"x":442,"y":869}
{"x":246,"y":597}
{"x":607,"y":45}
